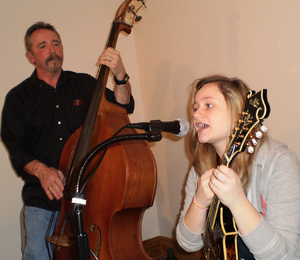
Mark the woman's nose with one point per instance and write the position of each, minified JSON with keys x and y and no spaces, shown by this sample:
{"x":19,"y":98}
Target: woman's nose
{"x":198,"y":113}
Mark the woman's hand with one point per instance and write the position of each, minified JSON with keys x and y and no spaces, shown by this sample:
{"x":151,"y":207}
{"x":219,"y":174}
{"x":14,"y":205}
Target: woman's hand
{"x":227,"y":186}
{"x":195,"y":216}
{"x":204,"y":194}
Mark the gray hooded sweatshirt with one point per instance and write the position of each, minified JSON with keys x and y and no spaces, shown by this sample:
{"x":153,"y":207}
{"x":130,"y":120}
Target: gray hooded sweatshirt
{"x":275,"y":193}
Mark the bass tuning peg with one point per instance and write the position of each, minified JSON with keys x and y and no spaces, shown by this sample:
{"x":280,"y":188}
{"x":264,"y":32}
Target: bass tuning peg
{"x":143,"y":2}
{"x":137,"y":17}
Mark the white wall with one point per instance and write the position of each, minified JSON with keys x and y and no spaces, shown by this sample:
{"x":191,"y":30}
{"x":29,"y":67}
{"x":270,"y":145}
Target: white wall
{"x":180,"y":41}
{"x":176,"y":42}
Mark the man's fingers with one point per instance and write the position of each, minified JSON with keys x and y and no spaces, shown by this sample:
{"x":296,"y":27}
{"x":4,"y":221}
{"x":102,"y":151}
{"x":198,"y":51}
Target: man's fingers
{"x":55,"y":192}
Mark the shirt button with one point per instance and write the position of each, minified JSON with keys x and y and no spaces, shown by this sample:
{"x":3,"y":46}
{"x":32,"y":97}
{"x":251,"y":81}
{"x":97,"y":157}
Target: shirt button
{"x":59,"y":122}
{"x":57,"y":106}
{"x":60,"y":139}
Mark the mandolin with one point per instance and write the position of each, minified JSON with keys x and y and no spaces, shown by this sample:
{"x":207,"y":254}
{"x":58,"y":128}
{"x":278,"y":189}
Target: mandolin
{"x":220,"y":235}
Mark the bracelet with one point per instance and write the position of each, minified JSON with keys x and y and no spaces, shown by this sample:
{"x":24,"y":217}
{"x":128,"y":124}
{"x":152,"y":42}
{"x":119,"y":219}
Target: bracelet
{"x":123,"y":81}
{"x":194,"y":201}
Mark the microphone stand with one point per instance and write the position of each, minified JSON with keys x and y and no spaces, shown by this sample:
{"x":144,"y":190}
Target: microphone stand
{"x":82,"y":249}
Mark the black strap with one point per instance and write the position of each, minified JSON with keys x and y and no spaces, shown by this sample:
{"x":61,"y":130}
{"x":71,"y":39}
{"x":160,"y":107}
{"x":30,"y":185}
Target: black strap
{"x":244,"y":252}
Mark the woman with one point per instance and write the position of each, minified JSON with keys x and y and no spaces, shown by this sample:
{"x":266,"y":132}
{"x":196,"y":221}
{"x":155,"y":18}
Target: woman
{"x":262,"y":189}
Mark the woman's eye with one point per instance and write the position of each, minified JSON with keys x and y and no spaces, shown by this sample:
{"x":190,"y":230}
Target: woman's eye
{"x":209,"y":105}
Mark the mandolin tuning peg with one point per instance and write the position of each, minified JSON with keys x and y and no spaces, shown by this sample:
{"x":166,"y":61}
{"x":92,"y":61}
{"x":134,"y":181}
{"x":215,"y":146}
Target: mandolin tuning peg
{"x":250,"y":149}
{"x":263,"y":128}
{"x":253,"y":141}
{"x":258,"y":134}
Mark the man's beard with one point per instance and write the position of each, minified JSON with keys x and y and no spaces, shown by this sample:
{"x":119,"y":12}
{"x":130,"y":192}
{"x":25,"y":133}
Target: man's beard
{"x":55,"y":66}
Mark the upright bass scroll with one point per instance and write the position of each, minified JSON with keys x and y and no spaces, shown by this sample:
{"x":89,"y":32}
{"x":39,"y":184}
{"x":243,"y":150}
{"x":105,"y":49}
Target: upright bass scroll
{"x":122,"y":187}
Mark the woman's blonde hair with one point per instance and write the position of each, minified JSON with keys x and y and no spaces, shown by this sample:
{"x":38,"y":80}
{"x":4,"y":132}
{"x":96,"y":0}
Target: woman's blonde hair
{"x":205,"y":157}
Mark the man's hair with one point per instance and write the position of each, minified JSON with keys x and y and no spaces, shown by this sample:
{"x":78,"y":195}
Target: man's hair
{"x":33,"y":28}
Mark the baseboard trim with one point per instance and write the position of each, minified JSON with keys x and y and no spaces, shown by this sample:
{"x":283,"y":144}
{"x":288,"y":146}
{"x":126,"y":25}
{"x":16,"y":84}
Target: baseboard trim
{"x":157,"y":248}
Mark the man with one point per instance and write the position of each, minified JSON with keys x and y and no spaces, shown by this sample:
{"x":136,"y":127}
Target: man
{"x":39,"y":116}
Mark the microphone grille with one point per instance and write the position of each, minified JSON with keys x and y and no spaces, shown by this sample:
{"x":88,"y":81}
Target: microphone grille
{"x":184,"y":127}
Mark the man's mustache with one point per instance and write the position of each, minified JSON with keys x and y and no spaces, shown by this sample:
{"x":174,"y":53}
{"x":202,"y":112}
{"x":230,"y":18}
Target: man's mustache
{"x":53,"y":57}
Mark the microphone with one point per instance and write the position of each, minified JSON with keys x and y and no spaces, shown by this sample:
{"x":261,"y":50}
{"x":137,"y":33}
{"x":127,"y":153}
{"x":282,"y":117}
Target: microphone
{"x":179,"y":127}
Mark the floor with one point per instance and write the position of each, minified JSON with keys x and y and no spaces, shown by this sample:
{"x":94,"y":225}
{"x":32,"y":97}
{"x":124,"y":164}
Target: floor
{"x":157,"y":248}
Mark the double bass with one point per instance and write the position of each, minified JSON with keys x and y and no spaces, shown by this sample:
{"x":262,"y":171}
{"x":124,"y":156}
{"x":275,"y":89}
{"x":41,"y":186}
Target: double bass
{"x":119,"y":182}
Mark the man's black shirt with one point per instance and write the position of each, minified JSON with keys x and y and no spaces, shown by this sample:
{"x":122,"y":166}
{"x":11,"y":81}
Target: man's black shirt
{"x":37,"y":121}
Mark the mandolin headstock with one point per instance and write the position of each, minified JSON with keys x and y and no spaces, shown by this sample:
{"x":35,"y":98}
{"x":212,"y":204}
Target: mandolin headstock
{"x":255,"y":111}
{"x":127,"y":12}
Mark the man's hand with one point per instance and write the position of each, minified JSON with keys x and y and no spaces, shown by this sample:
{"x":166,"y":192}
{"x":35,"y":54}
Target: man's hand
{"x":51,"y":179}
{"x":112,"y":59}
